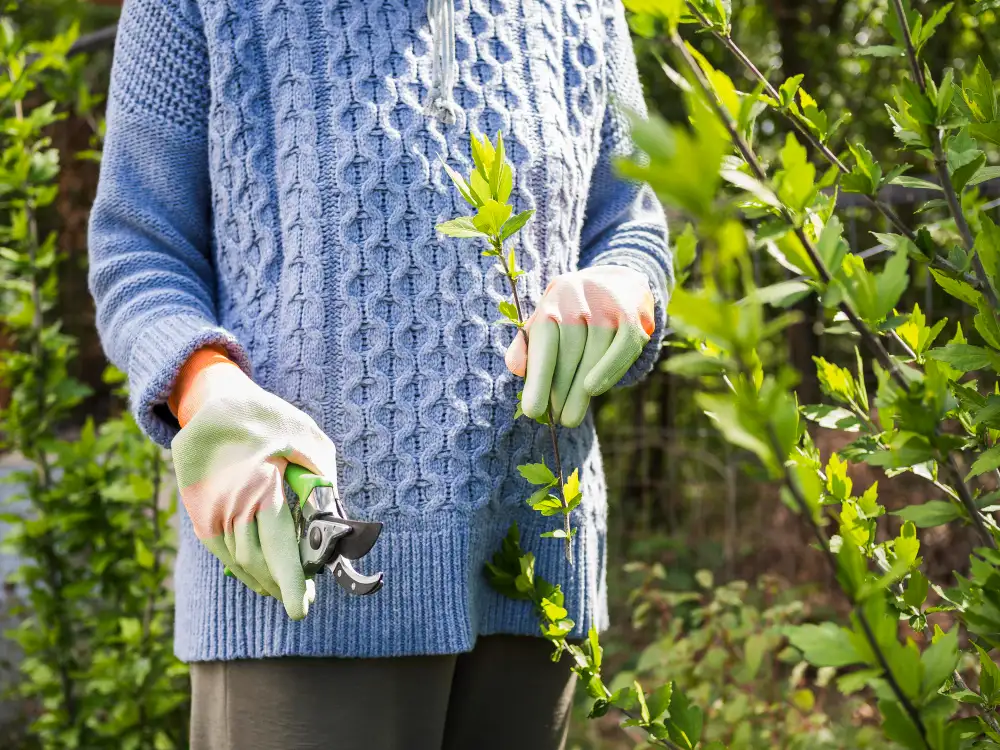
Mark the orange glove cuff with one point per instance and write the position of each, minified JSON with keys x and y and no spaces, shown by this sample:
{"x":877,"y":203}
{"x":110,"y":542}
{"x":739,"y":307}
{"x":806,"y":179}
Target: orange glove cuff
{"x":189,"y":389}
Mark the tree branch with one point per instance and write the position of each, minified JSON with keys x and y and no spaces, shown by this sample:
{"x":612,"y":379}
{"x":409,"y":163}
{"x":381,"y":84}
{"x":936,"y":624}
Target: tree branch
{"x":941,"y":163}
{"x":803,"y":129}
{"x":872,"y":341}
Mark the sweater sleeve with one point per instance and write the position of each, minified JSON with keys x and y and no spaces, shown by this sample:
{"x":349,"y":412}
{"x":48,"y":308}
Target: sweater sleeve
{"x":151,"y":269}
{"x":624,"y":223}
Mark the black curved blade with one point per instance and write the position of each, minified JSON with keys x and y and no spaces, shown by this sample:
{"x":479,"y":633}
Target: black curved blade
{"x":354,"y":582}
{"x":359,"y":542}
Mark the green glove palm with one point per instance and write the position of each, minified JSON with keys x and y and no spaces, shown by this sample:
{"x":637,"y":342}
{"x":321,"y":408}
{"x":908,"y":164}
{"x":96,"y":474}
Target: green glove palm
{"x":588,"y":330}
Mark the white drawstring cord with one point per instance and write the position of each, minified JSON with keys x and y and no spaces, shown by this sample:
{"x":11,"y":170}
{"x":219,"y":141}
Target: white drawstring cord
{"x":441,"y":17}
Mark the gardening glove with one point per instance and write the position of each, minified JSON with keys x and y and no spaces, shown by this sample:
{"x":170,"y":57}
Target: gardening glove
{"x":587,"y":331}
{"x":230,"y":456}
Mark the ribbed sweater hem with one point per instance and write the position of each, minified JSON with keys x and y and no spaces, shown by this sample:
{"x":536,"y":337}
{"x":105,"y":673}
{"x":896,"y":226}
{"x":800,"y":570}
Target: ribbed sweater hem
{"x":436,"y":599}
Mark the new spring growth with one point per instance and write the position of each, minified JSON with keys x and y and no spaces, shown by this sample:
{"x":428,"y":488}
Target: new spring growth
{"x":488,"y":191}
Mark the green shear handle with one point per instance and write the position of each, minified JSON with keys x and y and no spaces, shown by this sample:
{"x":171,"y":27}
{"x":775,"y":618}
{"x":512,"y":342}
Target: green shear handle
{"x":330,"y":540}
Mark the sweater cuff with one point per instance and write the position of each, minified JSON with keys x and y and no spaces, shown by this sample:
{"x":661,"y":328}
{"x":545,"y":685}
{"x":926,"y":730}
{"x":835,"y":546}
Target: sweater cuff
{"x":157,"y":356}
{"x":639,"y":259}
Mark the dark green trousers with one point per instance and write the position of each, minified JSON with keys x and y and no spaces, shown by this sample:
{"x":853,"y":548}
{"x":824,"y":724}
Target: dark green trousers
{"x":506,"y":694}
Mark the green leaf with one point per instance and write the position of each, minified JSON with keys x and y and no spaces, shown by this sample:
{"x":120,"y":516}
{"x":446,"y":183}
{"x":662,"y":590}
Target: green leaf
{"x":498,"y":166}
{"x":461,"y":227}
{"x":915,"y":182}
{"x":983,"y":175}
{"x":989,"y":414}
{"x":881,"y":50}
{"x":787,"y":90}
{"x":824,"y":645}
{"x":891,"y":283}
{"x":961,"y":176}
{"x":482,"y":156}
{"x":668,"y":10}
{"x":538,"y":474}
{"x":832,"y":417}
{"x":550,"y":505}
{"x":916,"y":589}
{"x":461,"y":184}
{"x":831,"y":245}
{"x":480,"y":188}
{"x":930,"y":514}
{"x":514,"y":224}
{"x":956,"y":288}
{"x":551,"y":610}
{"x":571,"y":490}
{"x":659,"y":700}
{"x":686,"y":720}
{"x":782,"y":294}
{"x":491,"y":217}
{"x":987,"y":461}
{"x":898,"y":727}
{"x":939,"y":661}
{"x":796,"y":180}
{"x":965,"y":357}
{"x":989,"y":678}
{"x":509,"y":311}
{"x":143,"y":556}
{"x":936,"y":19}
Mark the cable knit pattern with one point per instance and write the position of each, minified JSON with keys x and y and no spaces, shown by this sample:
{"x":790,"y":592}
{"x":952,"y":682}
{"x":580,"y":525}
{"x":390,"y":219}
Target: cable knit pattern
{"x":271,"y":183}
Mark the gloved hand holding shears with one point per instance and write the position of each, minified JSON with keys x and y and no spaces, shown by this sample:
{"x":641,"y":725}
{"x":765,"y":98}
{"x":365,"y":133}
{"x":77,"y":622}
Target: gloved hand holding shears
{"x":236,"y":444}
{"x":588,"y":330}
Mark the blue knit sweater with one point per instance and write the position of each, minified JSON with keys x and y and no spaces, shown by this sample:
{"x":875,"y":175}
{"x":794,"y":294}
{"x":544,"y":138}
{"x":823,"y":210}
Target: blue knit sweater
{"x":271,"y":182}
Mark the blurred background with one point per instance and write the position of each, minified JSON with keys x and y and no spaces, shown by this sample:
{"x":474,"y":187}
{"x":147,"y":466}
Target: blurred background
{"x":706,"y":563}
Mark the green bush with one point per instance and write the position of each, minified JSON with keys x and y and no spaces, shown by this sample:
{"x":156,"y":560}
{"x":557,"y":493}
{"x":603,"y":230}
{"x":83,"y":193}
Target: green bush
{"x":916,"y":405}
{"x":94,"y":540}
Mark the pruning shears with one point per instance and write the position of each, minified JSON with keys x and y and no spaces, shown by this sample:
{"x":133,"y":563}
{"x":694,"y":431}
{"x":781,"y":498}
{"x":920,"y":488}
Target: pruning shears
{"x":330,"y":540}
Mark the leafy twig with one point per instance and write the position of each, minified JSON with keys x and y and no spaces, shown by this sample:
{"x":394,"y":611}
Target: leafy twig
{"x":824,"y":544}
{"x":553,"y":430}
{"x":872,"y":341}
{"x":941,"y":162}
{"x":799,"y":123}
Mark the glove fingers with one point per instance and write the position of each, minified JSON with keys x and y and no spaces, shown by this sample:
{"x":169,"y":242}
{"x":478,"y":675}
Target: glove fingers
{"x":250,"y":557}
{"x":516,"y":357}
{"x":599,"y":338}
{"x":313,"y":450}
{"x":280,"y":546}
{"x":218,"y":547}
{"x":572,"y":342}
{"x":543,"y":350}
{"x":620,"y":356}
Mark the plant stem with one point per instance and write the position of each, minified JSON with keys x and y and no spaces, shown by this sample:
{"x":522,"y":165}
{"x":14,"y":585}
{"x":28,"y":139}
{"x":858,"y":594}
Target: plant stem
{"x":824,"y":544}
{"x":800,"y":124}
{"x":553,"y":430}
{"x":872,"y":341}
{"x":941,"y":162}
{"x":965,"y":495}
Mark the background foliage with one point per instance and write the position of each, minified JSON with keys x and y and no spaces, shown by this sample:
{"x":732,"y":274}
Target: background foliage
{"x":709,"y":571}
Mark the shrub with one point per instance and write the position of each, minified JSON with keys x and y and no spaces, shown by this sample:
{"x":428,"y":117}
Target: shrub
{"x":93,"y":537}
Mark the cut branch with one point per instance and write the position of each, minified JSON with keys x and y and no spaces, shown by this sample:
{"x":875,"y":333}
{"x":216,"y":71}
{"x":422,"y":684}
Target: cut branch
{"x":553,"y":430}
